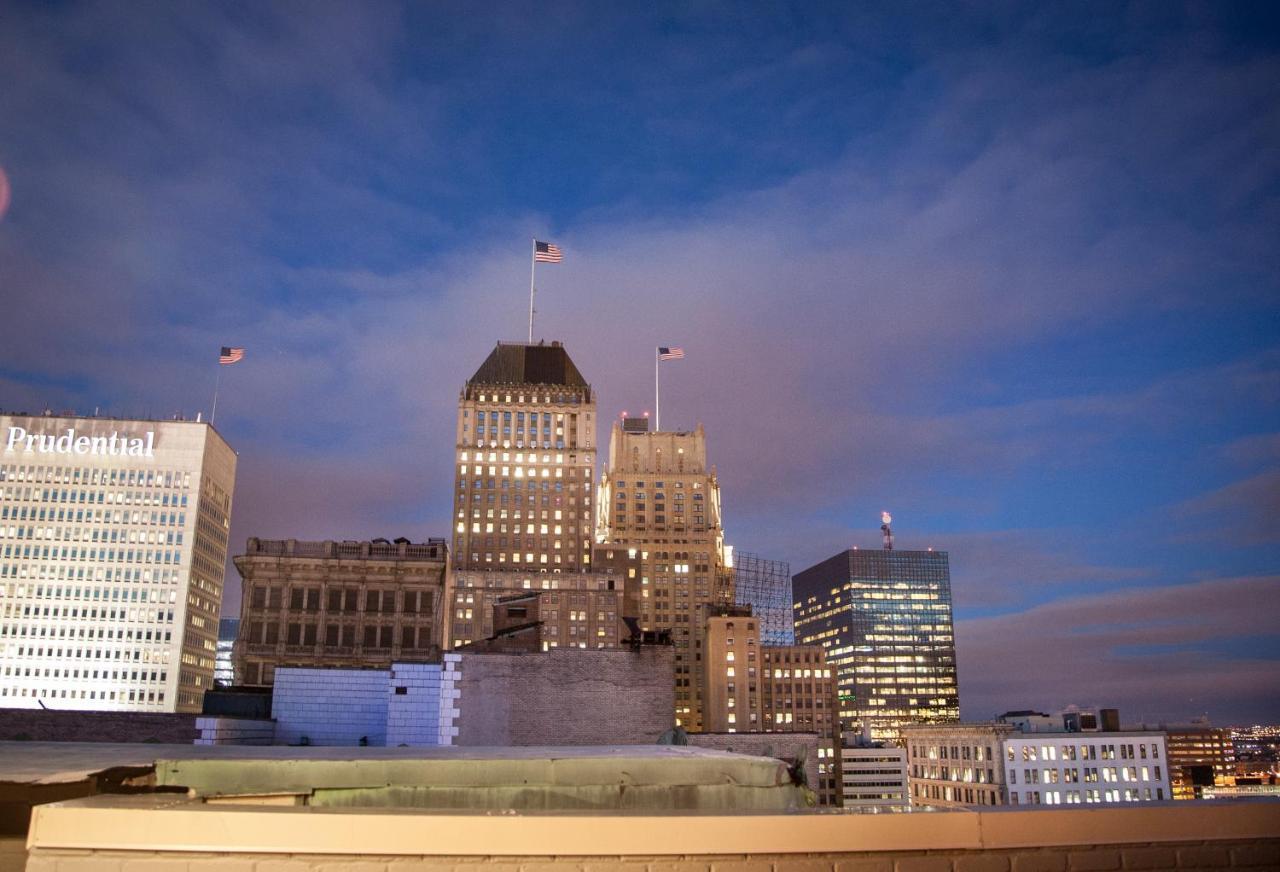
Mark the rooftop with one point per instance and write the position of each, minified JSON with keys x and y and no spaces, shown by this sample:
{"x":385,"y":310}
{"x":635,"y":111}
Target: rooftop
{"x":521,"y":363}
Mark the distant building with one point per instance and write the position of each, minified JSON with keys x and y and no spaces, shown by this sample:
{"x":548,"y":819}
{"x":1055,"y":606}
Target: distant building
{"x":750,"y":687}
{"x":660,"y":497}
{"x":522,"y":501}
{"x":224,"y":672}
{"x":1200,"y":758}
{"x":113,"y":542}
{"x":331,"y":604}
{"x":1075,"y":768}
{"x":765,"y":586}
{"x":953,"y":765}
{"x":873,"y":776}
{"x":884,"y":618}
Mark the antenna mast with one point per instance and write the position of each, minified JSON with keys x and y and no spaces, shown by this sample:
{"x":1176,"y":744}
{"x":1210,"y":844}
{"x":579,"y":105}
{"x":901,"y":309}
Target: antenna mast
{"x":886,"y":519}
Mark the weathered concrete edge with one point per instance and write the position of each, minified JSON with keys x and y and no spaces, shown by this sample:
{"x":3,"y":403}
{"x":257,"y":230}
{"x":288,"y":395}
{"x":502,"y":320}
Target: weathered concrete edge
{"x":156,"y":823}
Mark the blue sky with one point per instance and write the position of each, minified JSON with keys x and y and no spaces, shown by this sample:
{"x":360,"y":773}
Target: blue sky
{"x":1007,"y":271}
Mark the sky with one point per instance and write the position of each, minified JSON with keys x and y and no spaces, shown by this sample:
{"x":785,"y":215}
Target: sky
{"x":1007,"y":270}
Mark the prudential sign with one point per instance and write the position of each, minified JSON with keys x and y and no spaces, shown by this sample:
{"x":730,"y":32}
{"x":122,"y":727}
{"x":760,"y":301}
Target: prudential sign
{"x":115,"y":445}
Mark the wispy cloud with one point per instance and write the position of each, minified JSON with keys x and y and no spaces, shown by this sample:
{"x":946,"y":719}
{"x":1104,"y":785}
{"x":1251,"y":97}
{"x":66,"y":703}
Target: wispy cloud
{"x":1158,"y":654}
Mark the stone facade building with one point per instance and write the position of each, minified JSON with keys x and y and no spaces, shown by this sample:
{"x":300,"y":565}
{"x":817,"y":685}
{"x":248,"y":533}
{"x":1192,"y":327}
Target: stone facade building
{"x":750,"y":688}
{"x":659,"y":497}
{"x":956,"y":765}
{"x":523,"y":477}
{"x":332,"y":604}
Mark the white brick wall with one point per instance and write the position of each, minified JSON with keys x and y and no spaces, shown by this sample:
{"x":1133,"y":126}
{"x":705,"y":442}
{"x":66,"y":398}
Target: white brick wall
{"x":449,"y":695}
{"x":413,"y":704}
{"x":330,"y":706}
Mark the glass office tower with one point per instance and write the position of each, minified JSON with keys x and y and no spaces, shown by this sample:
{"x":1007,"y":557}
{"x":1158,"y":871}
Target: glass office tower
{"x":885,"y":619}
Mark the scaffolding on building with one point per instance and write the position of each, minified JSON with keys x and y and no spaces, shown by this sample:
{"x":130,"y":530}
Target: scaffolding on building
{"x":765,"y":586}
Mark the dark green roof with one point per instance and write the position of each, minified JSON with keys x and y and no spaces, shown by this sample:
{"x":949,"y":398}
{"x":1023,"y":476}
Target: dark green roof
{"x":517,"y":363}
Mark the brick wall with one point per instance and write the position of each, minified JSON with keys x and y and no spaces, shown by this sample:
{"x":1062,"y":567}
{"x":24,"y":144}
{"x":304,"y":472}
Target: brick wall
{"x":566,"y":696}
{"x":413,"y":704}
{"x":39,"y":725}
{"x":330,"y":706}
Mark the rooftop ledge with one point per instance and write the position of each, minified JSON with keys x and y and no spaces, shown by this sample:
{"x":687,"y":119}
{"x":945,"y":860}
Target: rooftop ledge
{"x":178,"y":823}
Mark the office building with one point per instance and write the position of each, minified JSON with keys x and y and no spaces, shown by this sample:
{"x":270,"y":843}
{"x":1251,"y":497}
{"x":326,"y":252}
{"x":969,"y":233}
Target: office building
{"x":113,"y":542}
{"x":659,"y":496}
{"x":750,"y":687}
{"x":956,"y":765}
{"x":1200,"y":758}
{"x":224,"y":673}
{"x":764,"y":586}
{"x":884,"y":618}
{"x":334,"y":604}
{"x":873,"y":776}
{"x":1075,"y":768}
{"x":522,"y":502}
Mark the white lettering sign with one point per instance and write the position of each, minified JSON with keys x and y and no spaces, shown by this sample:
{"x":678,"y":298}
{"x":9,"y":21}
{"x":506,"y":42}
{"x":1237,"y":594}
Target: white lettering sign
{"x":114,"y":445}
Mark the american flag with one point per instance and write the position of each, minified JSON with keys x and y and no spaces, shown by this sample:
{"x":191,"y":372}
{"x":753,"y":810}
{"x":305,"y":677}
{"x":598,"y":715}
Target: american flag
{"x":231,"y":355}
{"x":673,"y":353}
{"x":546,"y":252}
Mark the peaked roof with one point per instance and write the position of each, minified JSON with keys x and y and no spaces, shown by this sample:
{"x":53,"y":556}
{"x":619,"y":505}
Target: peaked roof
{"x":518,"y":363}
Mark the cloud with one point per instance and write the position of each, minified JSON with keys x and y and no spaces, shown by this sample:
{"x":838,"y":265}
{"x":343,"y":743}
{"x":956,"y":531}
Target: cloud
{"x":1245,"y":512}
{"x":873,"y":239}
{"x":1157,"y":654}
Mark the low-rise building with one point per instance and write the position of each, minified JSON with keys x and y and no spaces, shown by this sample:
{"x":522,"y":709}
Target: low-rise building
{"x":873,"y":775}
{"x":953,"y":765}
{"x":1075,"y":768}
{"x":956,"y":765}
{"x":1199,"y":757}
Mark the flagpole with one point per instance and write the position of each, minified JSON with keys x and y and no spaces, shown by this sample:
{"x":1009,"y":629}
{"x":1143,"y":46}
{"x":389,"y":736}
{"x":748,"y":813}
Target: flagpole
{"x":533,"y":265}
{"x":657,"y":405}
{"x":216,"y":383}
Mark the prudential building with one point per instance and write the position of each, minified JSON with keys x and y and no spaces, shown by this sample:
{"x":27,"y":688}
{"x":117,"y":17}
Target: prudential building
{"x":113,"y":543}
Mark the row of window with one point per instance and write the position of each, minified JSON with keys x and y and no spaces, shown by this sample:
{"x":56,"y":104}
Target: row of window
{"x":1092,"y":795}
{"x":1086,"y":752}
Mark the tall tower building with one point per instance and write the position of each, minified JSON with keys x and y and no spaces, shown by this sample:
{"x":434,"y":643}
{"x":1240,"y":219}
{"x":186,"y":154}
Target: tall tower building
{"x":113,"y":545}
{"x":885,"y":619}
{"x":525,"y":460}
{"x":659,"y":497}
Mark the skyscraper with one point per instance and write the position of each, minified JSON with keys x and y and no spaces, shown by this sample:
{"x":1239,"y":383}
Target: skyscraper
{"x":659,"y":496}
{"x":522,"y":500}
{"x":885,"y":619}
{"x":113,"y":541}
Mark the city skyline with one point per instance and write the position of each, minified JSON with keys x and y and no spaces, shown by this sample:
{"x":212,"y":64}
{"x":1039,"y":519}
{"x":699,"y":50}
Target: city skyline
{"x":1005,"y":275}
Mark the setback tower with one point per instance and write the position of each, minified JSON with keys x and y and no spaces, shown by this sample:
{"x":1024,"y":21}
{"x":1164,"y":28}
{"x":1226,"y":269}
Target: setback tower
{"x":659,"y":497}
{"x":524,"y":464}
